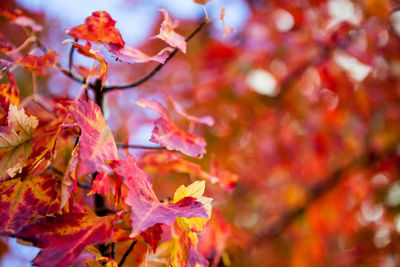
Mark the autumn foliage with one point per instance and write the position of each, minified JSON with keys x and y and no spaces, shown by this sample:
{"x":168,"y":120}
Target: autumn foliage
{"x":273,"y":144}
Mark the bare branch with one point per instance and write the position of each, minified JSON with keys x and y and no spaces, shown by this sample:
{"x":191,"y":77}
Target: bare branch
{"x":138,"y":146}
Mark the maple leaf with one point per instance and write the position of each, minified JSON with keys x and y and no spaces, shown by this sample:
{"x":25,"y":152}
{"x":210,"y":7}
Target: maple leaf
{"x":88,"y":51}
{"x":15,"y":141}
{"x":167,"y":134}
{"x":63,"y":237}
{"x":23,"y":199}
{"x":9,"y":94}
{"x":168,"y":34}
{"x":37,"y":64}
{"x":96,"y":142}
{"x":195,"y":190}
{"x":17,"y":17}
{"x":98,"y":28}
{"x":208,"y":120}
{"x":227,"y":29}
{"x":133,"y":55}
{"x":147,"y":210}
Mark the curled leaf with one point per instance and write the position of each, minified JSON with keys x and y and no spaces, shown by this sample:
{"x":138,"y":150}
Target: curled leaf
{"x":133,"y":55}
{"x":98,"y":28}
{"x":88,"y":51}
{"x":167,"y":134}
{"x":168,"y":34}
{"x":208,"y":120}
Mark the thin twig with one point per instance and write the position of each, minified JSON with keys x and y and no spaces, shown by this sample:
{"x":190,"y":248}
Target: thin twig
{"x":157,"y":68}
{"x":126,"y":254}
{"x":138,"y":146}
{"x":71,"y":58}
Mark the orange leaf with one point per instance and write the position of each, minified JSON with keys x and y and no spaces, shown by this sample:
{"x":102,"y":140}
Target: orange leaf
{"x":98,"y":28}
{"x":88,"y":51}
{"x":37,"y":64}
{"x":9,"y":94}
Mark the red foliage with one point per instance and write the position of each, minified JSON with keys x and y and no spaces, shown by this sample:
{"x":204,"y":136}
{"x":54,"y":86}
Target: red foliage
{"x":298,"y":108}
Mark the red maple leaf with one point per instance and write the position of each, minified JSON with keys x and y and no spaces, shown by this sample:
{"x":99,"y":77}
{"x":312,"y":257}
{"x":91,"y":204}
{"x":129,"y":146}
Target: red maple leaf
{"x":147,"y":210}
{"x":37,"y":64}
{"x":23,"y":199}
{"x":96,"y":141}
{"x":167,"y":134}
{"x":98,"y":28}
{"x":63,"y":237}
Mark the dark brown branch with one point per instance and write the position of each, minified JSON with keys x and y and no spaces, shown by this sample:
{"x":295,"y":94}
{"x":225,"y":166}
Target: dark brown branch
{"x":138,"y":146}
{"x":319,"y":190}
{"x":126,"y":254}
{"x":71,"y":58}
{"x":157,"y":68}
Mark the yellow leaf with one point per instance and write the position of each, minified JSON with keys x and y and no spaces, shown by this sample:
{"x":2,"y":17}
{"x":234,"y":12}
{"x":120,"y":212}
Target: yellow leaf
{"x":195,"y":190}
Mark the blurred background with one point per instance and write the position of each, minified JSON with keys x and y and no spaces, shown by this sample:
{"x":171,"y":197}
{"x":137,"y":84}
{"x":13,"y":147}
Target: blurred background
{"x":306,"y":99}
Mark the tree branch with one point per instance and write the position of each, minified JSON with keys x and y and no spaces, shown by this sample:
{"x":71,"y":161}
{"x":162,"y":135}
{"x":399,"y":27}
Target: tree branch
{"x":157,"y":68}
{"x":71,"y":58}
{"x":138,"y":146}
{"x":126,"y":254}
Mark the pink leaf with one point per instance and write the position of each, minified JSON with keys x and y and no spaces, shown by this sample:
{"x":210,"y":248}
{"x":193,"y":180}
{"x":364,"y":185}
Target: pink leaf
{"x":168,"y":34}
{"x":147,"y":210}
{"x":133,"y":55}
{"x":167,"y":134}
{"x":208,"y":120}
{"x":96,"y":141}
